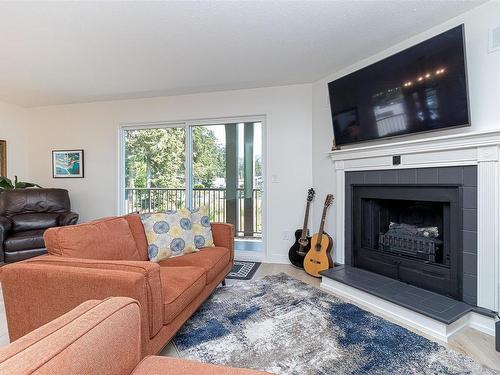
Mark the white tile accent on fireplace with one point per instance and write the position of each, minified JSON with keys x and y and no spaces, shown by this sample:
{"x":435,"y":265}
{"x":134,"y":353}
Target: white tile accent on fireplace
{"x":479,"y":148}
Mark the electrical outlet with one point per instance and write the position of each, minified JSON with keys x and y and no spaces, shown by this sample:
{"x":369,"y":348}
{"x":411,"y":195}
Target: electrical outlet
{"x":286,"y":235}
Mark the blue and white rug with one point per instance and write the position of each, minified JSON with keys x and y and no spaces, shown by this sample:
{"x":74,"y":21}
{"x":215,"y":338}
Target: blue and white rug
{"x":285,"y":326}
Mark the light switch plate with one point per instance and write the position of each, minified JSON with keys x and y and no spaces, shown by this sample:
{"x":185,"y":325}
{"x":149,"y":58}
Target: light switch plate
{"x":494,"y":39}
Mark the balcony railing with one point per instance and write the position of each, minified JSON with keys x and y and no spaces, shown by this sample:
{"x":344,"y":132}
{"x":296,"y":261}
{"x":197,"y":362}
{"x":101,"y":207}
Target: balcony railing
{"x":145,"y":200}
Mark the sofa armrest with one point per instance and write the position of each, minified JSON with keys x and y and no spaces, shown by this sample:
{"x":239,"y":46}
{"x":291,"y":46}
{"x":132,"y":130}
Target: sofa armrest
{"x":68,"y":218}
{"x":5,"y":228}
{"x":149,"y":270}
{"x":223,"y":235}
{"x":39,"y":291}
{"x":5,"y":224}
{"x":69,"y":344}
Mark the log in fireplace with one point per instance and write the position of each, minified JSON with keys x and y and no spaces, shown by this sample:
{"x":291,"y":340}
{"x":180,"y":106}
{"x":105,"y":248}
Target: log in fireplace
{"x":419,"y":242}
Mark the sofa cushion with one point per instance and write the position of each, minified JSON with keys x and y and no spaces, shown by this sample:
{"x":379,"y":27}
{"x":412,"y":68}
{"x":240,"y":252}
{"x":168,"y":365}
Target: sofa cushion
{"x":137,"y":229}
{"x":212,"y":259}
{"x":34,"y":221}
{"x":22,"y":201}
{"x":180,"y":286}
{"x":107,"y":239}
{"x":30,"y":239}
{"x":169,"y":234}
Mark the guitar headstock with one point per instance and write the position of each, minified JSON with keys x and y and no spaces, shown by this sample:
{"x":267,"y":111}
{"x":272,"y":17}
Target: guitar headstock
{"x":329,"y":200}
{"x":310,"y":194}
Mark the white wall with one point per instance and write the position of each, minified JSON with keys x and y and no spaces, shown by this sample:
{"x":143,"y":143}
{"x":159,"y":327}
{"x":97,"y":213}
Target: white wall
{"x":484,"y":93}
{"x":14,"y":129}
{"x":94,"y":127}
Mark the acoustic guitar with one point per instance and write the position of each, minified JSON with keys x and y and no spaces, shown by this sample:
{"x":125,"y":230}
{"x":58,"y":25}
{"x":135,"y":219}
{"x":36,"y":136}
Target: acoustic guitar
{"x":302,"y":243}
{"x":319,"y":257}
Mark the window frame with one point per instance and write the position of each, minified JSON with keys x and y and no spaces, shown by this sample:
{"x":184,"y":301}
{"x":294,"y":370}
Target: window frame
{"x":188,"y":125}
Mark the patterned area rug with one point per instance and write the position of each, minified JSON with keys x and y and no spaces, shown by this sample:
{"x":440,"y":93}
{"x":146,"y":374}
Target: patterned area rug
{"x":285,"y":326}
{"x":243,"y":270}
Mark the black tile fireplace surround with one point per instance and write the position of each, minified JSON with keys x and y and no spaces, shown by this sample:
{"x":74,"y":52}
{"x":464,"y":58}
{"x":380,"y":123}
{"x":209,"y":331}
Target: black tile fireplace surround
{"x":418,"y":226}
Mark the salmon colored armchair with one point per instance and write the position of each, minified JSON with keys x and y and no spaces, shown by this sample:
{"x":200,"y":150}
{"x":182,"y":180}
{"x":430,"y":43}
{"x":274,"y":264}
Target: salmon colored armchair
{"x":96,"y":337}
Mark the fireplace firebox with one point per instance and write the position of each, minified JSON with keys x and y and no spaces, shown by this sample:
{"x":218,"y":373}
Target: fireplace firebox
{"x":409,"y":233}
{"x":415,"y":225}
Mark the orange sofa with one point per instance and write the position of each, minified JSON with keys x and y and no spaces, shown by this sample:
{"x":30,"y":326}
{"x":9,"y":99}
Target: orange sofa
{"x":107,"y":258}
{"x":97,"y":337}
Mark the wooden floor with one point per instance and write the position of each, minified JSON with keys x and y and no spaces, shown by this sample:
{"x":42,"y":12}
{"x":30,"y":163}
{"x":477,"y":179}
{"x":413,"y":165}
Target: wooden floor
{"x":473,"y":343}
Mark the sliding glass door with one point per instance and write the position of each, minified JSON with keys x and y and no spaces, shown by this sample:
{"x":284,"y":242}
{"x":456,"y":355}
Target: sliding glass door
{"x":227,"y":174}
{"x":194,"y":164}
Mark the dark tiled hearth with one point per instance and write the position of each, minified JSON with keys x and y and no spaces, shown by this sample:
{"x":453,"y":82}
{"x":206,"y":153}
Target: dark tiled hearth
{"x":433,"y":305}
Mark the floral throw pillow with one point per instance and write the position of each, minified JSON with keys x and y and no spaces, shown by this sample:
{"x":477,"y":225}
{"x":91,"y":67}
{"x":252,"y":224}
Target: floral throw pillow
{"x":202,"y":230}
{"x":169,"y":234}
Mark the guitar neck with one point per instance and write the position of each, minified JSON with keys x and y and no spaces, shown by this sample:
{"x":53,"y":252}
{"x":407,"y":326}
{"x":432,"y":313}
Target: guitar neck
{"x":306,"y":220}
{"x":322,"y":224}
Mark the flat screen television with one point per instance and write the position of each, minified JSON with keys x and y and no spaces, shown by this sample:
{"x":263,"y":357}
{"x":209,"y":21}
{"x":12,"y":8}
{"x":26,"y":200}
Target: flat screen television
{"x":420,"y":89}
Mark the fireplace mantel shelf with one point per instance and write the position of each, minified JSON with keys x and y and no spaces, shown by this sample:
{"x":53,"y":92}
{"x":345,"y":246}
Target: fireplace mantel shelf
{"x":461,"y":141}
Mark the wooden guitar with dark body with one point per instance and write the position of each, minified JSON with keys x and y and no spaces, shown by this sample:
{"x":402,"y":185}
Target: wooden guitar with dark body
{"x":302,"y":243}
{"x":298,"y":251}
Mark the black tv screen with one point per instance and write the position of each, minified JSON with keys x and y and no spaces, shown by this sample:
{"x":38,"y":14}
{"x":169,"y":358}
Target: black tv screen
{"x":420,"y":89}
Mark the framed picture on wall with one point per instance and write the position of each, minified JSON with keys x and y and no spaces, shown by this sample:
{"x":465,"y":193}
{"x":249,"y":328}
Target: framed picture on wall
{"x":67,"y":163}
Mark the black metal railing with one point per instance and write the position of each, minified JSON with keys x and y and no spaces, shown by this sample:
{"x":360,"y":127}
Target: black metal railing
{"x":145,"y":200}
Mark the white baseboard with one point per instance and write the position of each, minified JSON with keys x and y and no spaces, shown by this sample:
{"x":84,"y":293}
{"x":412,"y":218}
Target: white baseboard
{"x":420,"y":322}
{"x":278,"y":259}
{"x":250,"y":256}
{"x":260,"y":256}
{"x":482,"y":323}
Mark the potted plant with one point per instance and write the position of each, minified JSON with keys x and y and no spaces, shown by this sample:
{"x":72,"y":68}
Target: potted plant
{"x":7,"y":184}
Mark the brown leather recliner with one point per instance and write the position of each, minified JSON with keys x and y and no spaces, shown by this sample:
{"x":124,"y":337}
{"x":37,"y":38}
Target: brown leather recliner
{"x":25,"y":214}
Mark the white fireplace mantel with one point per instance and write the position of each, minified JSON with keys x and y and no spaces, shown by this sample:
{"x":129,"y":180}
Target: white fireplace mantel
{"x":474,"y":148}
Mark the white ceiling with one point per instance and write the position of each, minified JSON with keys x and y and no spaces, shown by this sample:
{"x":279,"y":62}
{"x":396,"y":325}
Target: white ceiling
{"x":68,"y":52}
